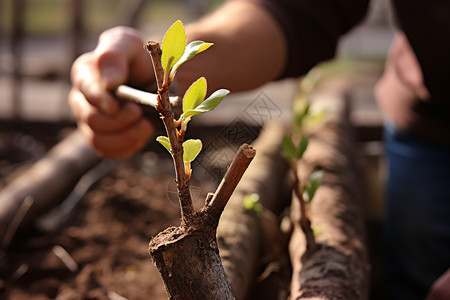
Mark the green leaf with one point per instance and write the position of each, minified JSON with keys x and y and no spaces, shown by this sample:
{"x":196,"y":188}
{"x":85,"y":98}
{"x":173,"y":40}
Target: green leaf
{"x":251,"y":202}
{"x":164,"y":140}
{"x":289,"y":150}
{"x":191,"y":148}
{"x":192,"y":49}
{"x":173,"y":45}
{"x":311,"y":188}
{"x":207,"y":105}
{"x":195,"y":94}
{"x":300,"y":116}
{"x":302,"y":147}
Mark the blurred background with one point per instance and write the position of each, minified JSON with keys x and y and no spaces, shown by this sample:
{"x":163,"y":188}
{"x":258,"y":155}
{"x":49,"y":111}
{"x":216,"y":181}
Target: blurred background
{"x":39,"y":40}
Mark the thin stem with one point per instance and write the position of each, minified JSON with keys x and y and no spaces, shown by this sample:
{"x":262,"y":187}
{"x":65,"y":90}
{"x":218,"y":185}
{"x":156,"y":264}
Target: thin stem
{"x":305,"y":223}
{"x":167,"y":116}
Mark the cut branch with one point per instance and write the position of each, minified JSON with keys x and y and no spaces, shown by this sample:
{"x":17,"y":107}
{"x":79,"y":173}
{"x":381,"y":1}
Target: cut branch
{"x":167,"y":116}
{"x":202,"y":275}
{"x":229,"y":182}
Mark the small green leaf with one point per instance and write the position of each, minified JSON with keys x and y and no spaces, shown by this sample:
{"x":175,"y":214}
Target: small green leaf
{"x":173,"y":45}
{"x":311,"y":187}
{"x":207,"y":105}
{"x":289,"y":150}
{"x":191,"y":148}
{"x":302,"y":147}
{"x":195,"y":94}
{"x":316,"y":117}
{"x":192,"y":49}
{"x":251,"y":202}
{"x":164,"y":140}
{"x":300,"y":116}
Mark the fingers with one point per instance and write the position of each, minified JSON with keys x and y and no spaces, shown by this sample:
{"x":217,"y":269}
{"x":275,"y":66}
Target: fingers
{"x":119,"y":144}
{"x":118,"y":58}
{"x":122,"y":58}
{"x":111,"y":136}
{"x":114,"y":130}
{"x":86,"y":78}
{"x":99,"y":122}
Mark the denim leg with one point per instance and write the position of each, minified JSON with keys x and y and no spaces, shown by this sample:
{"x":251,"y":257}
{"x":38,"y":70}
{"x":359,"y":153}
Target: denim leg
{"x":417,"y":227}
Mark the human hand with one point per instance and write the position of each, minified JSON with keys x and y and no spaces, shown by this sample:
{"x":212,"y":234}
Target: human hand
{"x":113,"y":130}
{"x":440,"y":290}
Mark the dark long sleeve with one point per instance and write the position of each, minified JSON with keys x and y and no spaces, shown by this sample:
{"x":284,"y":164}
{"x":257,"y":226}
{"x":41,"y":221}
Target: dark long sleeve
{"x":313,"y":28}
{"x":427,"y":26}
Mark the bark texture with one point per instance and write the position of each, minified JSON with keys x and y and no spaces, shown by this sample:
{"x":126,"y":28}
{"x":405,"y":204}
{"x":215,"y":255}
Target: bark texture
{"x":339,"y":269}
{"x":241,"y":232}
{"x":187,"y":256}
{"x":189,"y":264}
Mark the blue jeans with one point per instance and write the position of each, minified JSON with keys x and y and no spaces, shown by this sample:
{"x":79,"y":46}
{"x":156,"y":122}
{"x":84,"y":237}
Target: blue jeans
{"x":417,"y":227}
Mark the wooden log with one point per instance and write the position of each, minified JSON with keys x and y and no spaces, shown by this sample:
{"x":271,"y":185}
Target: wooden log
{"x":47,"y":182}
{"x":339,"y":269}
{"x":241,"y":231}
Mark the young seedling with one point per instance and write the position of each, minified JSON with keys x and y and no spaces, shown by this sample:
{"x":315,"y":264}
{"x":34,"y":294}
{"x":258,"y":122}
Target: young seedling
{"x":293,"y":148}
{"x":187,"y":256}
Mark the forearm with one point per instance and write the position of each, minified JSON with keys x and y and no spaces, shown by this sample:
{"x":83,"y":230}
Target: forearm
{"x":249,"y":48}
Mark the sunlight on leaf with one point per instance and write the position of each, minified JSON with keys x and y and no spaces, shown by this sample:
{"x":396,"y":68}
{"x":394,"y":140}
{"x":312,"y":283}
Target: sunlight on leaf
{"x":195,"y":94}
{"x":164,"y":140}
{"x":251,"y":202}
{"x":311,"y":188}
{"x":192,"y":49}
{"x":191,"y":148}
{"x":173,"y":45}
{"x":207,"y":105}
{"x":302,"y":147}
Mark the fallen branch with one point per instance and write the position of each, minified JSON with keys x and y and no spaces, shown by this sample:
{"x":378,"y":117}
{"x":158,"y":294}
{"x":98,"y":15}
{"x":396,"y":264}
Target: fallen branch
{"x":339,"y":268}
{"x":48,"y":181}
{"x":241,"y":232}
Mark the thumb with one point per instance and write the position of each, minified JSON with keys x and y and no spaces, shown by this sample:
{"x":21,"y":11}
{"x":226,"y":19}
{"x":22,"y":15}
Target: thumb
{"x":113,"y":69}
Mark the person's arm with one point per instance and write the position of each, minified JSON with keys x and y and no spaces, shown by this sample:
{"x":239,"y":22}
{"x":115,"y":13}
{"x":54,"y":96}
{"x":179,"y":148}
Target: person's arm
{"x":249,"y":50}
{"x":256,"y":41}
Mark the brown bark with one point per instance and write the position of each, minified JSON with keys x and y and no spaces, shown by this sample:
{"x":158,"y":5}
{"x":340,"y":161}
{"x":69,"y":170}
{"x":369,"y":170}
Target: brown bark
{"x":339,"y":269}
{"x":47,"y":181}
{"x":189,"y":264}
{"x":187,"y":256}
{"x":241,"y":232}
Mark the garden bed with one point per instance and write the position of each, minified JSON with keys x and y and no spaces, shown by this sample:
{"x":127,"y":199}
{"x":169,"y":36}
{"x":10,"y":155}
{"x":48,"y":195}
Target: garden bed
{"x":108,"y":233}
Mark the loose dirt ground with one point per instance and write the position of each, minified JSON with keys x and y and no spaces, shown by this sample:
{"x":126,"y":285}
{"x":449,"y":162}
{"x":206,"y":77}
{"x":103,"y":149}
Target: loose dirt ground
{"x":108,"y":233}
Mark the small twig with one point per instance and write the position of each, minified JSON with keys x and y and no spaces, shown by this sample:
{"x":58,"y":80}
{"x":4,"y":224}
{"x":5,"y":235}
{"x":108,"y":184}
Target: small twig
{"x":15,"y":223}
{"x":238,"y":166}
{"x":305,"y":223}
{"x":167,"y":116}
{"x":145,"y":98}
{"x":65,"y":257}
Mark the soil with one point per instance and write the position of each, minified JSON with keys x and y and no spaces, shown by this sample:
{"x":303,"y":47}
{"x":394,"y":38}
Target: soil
{"x":107,"y":235}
